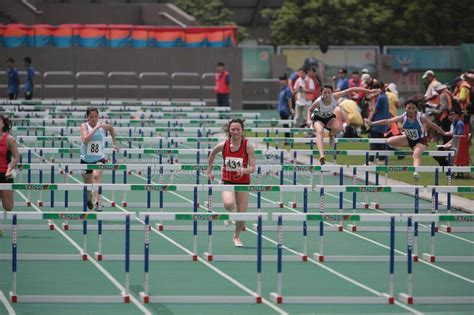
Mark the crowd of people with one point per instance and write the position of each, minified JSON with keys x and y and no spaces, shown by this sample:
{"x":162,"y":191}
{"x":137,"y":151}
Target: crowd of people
{"x":362,"y":103}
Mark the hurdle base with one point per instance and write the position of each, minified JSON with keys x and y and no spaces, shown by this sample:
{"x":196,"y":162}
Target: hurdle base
{"x":405,"y":298}
{"x":112,"y":204}
{"x":391,"y":299}
{"x":382,"y":299}
{"x":292,"y":204}
{"x":352,"y":227}
{"x":281,"y":205}
{"x":429,"y":257}
{"x":28,"y":203}
{"x":356,"y":258}
{"x":436,"y":299}
{"x":208,"y":257}
{"x":13,"y":297}
{"x":39,"y":203}
{"x":65,"y":226}
{"x":318,"y":257}
{"x":126,"y":297}
{"x":144,"y":297}
{"x":276,"y":298}
{"x":365,"y":205}
{"x":375,"y":205}
{"x":451,"y":259}
{"x":195,"y":299}
{"x":84,"y":255}
{"x":445,"y":228}
{"x":339,"y":227}
{"x":50,"y":225}
{"x":124,"y":204}
{"x":160,"y":226}
{"x":66,"y":298}
{"x":98,"y":256}
{"x":415,"y":258}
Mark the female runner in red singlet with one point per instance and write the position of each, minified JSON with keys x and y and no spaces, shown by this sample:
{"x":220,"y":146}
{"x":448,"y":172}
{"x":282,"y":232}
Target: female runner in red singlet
{"x":239,"y":162}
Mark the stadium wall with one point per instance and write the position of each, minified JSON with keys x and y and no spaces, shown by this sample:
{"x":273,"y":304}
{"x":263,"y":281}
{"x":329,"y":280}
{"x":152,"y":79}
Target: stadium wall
{"x":170,"y":60}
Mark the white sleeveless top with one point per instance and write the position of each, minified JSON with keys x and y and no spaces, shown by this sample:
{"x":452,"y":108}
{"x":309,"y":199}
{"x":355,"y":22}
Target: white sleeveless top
{"x":326,"y":109}
{"x":93,"y":151}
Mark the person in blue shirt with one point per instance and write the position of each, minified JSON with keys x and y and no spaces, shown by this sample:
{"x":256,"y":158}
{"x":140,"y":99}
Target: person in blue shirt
{"x":285,"y":104}
{"x":342,"y":82}
{"x":30,"y":78}
{"x":13,"y":80}
{"x":381,"y":111}
{"x":456,"y":131}
{"x":414,"y":136}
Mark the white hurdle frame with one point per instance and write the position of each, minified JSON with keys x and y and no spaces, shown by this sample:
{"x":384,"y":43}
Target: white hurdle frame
{"x":408,"y":297}
{"x":278,"y":298}
{"x":124,"y":297}
{"x":167,"y":216}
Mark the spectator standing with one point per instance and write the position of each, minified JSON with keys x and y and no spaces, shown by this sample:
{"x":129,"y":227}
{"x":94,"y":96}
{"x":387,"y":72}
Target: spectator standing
{"x":30,"y":79}
{"x":303,"y":89}
{"x":222,"y":87}
{"x":342,"y":83}
{"x":13,"y":80}
{"x":285,"y":104}
{"x":381,"y":111}
{"x":431,"y":97}
{"x":355,"y":81}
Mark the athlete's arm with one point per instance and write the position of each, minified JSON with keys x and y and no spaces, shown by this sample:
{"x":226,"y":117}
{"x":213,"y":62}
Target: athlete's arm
{"x":16,"y":156}
{"x":434,"y":126}
{"x":218,"y":148}
{"x":86,"y":137}
{"x":111,"y":129}
{"x":251,"y":162}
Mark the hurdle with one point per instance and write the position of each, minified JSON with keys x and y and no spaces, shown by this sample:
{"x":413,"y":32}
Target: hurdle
{"x":164,"y":216}
{"x":305,"y":169}
{"x":277,"y":297}
{"x":54,"y":103}
{"x":431,"y":257}
{"x":408,"y":297}
{"x":124,"y":297}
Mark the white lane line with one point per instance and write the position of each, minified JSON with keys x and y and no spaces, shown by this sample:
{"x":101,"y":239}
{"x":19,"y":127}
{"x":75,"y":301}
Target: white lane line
{"x":7,"y":304}
{"x":94,"y":262}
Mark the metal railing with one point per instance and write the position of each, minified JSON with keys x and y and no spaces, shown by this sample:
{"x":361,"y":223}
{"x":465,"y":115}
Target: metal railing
{"x":261,"y":93}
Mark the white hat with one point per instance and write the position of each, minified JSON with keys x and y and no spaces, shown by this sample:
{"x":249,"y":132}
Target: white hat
{"x":365,"y":70}
{"x":392,"y":87}
{"x":365,"y":77}
{"x":427,"y":73}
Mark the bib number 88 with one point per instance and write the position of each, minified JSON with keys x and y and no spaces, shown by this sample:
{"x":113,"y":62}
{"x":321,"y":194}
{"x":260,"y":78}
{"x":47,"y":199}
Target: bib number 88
{"x":95,"y":148}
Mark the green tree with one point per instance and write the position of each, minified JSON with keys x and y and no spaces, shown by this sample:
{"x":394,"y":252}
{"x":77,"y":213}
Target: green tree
{"x":384,"y":22}
{"x":211,"y":13}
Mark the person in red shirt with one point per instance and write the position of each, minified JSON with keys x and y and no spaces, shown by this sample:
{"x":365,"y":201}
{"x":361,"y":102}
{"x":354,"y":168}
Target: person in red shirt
{"x":8,"y":159}
{"x":222,"y":87}
{"x":239,"y":162}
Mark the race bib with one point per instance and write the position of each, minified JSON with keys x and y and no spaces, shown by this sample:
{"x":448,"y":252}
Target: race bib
{"x":325,"y":115}
{"x":233,"y":164}
{"x":412,"y":134}
{"x":94,"y":148}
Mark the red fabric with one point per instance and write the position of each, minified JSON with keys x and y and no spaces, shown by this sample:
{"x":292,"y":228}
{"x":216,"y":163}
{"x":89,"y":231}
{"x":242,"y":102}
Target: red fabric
{"x":234,"y":177}
{"x":462,"y":157}
{"x":3,"y":153}
{"x":221,"y":83}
